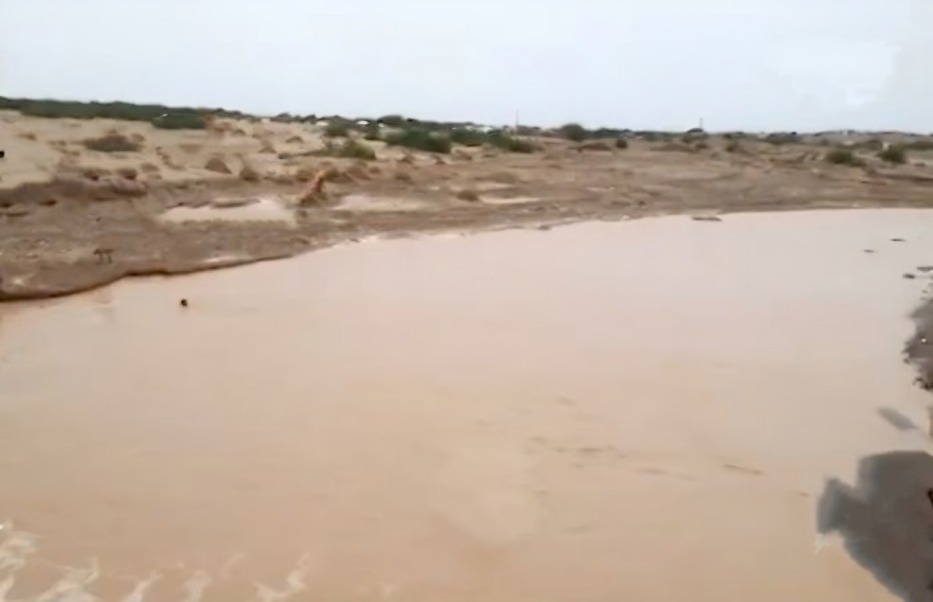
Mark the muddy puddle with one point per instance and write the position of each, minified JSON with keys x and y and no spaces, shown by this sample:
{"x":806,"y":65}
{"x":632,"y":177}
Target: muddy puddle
{"x":646,"y":410}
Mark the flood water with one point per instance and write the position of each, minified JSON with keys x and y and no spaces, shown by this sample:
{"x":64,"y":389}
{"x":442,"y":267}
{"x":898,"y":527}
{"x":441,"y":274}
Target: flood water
{"x":643,"y":410}
{"x":236,"y":209}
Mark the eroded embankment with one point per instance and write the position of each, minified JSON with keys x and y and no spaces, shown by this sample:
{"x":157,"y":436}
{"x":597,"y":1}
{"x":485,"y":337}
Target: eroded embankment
{"x":919,"y":348}
{"x":52,"y":252}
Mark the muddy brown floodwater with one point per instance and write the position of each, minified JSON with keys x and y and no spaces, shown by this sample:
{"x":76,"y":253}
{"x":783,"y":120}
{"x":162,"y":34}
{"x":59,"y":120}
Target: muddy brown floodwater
{"x":644,"y":410}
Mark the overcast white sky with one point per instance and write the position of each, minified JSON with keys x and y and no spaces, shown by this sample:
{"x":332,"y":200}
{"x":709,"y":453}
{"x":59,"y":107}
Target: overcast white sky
{"x":739,"y":64}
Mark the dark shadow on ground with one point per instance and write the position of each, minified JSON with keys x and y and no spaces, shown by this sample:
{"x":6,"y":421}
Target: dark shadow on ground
{"x":886,"y":520}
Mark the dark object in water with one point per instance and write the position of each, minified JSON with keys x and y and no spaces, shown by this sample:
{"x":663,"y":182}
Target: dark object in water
{"x":183,"y":303}
{"x":898,"y":240}
{"x":897,"y":420}
{"x":2,"y":154}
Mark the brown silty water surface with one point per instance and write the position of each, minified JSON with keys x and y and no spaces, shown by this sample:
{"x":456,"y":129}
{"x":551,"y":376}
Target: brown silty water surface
{"x":615,"y":411}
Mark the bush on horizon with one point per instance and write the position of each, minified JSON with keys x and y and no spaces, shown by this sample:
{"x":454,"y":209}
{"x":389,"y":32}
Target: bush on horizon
{"x":843,"y":156}
{"x":420,"y":139}
{"x":574,"y":132}
{"x":505,"y":141}
{"x":893,"y":154}
{"x":179,"y":121}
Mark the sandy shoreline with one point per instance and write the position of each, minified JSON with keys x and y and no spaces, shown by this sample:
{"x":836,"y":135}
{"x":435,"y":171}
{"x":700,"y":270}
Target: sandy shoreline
{"x":60,"y":202}
{"x":31,"y":279}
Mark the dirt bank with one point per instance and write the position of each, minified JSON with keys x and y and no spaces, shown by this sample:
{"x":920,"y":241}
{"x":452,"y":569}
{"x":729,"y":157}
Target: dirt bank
{"x":81,"y":201}
{"x":919,"y":349}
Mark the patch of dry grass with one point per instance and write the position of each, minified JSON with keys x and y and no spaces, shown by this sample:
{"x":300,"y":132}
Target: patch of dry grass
{"x":216,"y":164}
{"x":248,"y":173}
{"x":112,"y":142}
{"x":468,"y":194}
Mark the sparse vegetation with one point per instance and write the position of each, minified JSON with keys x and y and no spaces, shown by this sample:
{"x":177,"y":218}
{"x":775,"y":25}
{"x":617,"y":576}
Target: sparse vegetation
{"x":217,"y":165}
{"x":124,"y":111}
{"x":392,"y":121}
{"x":501,"y":139}
{"x":779,"y":138}
{"x":653,"y":136}
{"x":180,"y":121}
{"x":337,"y":129}
{"x":925,"y":144}
{"x":111,"y":143}
{"x":574,"y":132}
{"x":468,"y":194}
{"x":468,"y":137}
{"x":419,"y":139}
{"x":621,"y":143}
{"x":893,"y":154}
{"x":608,"y":133}
{"x":249,"y":174}
{"x":734,"y":147}
{"x":352,"y":149}
{"x":843,"y":156}
{"x":694,"y":135}
{"x":597,"y":145}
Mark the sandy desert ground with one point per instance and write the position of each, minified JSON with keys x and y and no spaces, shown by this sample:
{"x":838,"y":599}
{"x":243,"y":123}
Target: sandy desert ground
{"x":62,"y":203}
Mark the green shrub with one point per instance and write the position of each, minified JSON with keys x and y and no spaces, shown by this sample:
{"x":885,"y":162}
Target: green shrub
{"x":502,"y":139}
{"x":893,"y":154}
{"x":351,"y":149}
{"x":180,"y":121}
{"x":779,"y":138}
{"x":337,"y":128}
{"x":594,"y":145}
{"x":921,"y":145}
{"x":605,"y":133}
{"x":621,"y":143}
{"x":392,"y":121}
{"x":574,"y":132}
{"x":655,"y":136}
{"x":843,"y":156}
{"x":111,"y":143}
{"x":467,"y":137}
{"x":419,"y":139}
{"x":372,"y":133}
{"x":123,"y":111}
